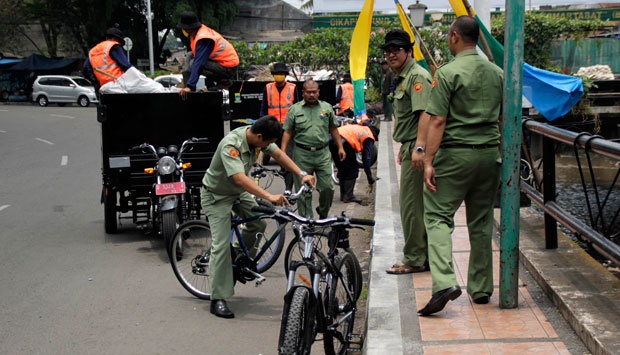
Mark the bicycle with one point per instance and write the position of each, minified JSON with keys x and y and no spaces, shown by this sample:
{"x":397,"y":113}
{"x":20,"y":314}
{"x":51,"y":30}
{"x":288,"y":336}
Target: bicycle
{"x":190,"y":249}
{"x":326,"y":302}
{"x":264,"y":176}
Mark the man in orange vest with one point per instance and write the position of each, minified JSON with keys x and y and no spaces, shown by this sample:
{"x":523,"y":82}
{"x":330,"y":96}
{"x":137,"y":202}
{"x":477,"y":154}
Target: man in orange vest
{"x":107,"y":61}
{"x":278,"y":96}
{"x":214,"y":56}
{"x":344,"y":96}
{"x":356,"y":138}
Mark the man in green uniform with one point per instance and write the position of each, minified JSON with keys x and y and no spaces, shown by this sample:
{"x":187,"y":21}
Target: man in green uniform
{"x":226,"y":181}
{"x":462,"y":163}
{"x":410,"y":97}
{"x":310,"y":122}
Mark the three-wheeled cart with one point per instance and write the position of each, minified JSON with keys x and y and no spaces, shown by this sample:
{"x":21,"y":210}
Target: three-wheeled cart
{"x":128,"y":120}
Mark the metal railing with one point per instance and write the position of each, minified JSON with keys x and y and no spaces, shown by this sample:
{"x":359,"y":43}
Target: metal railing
{"x":598,"y":234}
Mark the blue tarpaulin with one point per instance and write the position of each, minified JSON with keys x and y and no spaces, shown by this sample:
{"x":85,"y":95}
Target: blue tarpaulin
{"x":552,"y":94}
{"x":37,"y":62}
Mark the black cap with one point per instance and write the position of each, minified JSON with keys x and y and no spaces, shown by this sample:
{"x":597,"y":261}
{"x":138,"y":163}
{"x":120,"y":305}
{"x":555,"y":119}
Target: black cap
{"x":116,"y":33}
{"x":398,"y":38}
{"x":189,"y":21}
{"x":279,"y":68}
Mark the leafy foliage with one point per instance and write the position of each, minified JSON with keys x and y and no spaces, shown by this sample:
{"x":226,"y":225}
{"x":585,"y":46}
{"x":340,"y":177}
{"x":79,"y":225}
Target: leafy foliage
{"x":541,"y":30}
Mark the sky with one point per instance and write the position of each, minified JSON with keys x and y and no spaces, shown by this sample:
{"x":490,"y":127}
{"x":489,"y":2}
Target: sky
{"x":442,"y":5}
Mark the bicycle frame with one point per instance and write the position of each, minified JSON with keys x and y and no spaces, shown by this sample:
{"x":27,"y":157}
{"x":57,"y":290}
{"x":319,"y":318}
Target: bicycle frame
{"x":235,"y":235}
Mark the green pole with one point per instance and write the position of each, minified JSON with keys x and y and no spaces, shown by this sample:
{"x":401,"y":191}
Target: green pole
{"x":511,"y":155}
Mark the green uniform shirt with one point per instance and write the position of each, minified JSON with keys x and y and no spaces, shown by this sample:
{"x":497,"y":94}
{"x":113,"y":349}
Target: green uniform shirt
{"x":310,"y":124}
{"x":468,"y":92}
{"x":232,"y":156}
{"x":410,"y":98}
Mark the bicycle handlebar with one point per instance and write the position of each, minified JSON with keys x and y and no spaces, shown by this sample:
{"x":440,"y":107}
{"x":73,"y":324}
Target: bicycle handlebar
{"x":324,"y":222}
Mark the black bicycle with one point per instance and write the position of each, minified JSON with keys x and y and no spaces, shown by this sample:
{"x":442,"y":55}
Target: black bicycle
{"x":190,"y":249}
{"x":325,"y":301}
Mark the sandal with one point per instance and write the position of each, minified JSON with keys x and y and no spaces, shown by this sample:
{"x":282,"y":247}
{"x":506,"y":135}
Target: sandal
{"x":400,"y":268}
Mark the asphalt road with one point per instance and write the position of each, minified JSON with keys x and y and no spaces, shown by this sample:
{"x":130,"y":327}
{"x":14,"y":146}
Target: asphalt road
{"x":66,"y":287}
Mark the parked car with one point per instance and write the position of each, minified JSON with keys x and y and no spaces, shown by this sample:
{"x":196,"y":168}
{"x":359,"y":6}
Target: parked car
{"x":171,"y":80}
{"x":62,"y":90}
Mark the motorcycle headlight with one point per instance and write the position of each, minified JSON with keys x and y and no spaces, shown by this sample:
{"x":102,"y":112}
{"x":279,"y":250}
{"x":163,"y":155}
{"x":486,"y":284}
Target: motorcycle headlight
{"x":166,"y":165}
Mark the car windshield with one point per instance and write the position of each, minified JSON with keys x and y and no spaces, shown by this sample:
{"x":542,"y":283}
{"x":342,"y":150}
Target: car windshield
{"x":82,"y":82}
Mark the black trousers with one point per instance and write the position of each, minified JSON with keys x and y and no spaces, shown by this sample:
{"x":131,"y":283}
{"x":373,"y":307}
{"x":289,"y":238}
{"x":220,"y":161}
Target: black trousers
{"x":348,"y":169}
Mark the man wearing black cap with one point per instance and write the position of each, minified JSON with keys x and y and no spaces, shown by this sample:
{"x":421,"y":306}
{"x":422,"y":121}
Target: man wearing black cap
{"x":411,"y":92}
{"x":214,"y":56}
{"x":278,"y":96}
{"x":344,"y":96}
{"x":107,"y":61}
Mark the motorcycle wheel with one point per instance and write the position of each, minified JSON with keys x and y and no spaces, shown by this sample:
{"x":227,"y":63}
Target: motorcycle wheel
{"x":169,"y":224}
{"x":109,"y":211}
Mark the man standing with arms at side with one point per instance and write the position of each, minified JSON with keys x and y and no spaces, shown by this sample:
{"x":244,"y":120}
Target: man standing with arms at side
{"x":386,"y":90}
{"x":225,"y":182}
{"x":310,"y":122}
{"x":411,"y":94}
{"x":107,"y":60}
{"x":344,"y":96}
{"x":462,"y":163}
{"x":278,"y":97}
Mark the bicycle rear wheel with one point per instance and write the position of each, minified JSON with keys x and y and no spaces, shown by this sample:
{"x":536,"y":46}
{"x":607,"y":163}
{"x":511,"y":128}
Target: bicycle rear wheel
{"x":294,"y":324}
{"x":341,"y":306}
{"x":189,"y":253}
{"x":275,"y":230}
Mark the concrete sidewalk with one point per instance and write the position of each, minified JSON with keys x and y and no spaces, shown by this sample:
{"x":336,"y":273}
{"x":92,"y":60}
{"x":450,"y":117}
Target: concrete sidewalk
{"x":586,"y":294}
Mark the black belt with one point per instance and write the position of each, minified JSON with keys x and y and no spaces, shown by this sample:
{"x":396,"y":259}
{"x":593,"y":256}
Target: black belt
{"x":468,"y":146}
{"x":311,"y":148}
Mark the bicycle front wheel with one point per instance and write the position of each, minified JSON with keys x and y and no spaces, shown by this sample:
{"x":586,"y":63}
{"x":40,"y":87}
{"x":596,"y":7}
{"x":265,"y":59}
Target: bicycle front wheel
{"x":189,"y":252}
{"x":295,"y":324}
{"x":341,"y":306}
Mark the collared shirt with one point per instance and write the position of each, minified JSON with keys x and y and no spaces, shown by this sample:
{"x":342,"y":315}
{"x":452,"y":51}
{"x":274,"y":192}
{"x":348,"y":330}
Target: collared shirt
{"x":410,"y":98}
{"x":468,"y":92}
{"x":310,"y":124}
{"x":233,"y":156}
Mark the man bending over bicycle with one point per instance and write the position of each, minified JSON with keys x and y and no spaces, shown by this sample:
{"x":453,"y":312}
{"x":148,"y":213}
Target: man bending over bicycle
{"x":227,"y":181}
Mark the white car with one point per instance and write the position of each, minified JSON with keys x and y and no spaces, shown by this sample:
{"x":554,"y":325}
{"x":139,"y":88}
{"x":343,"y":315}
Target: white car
{"x":63,"y":90}
{"x":171,"y":80}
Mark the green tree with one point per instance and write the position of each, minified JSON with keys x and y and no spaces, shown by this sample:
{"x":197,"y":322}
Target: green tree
{"x":541,"y":29}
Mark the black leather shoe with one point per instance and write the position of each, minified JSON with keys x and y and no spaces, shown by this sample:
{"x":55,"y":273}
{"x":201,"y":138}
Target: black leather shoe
{"x":481,"y":300}
{"x":220,"y":309}
{"x":439,"y":300}
{"x":320,"y":215}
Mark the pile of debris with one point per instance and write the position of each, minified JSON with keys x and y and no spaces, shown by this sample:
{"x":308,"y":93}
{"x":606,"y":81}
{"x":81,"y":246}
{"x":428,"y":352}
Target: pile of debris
{"x":599,"y":72}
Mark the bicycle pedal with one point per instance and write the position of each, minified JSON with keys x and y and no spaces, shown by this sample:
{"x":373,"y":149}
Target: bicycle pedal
{"x":356,"y":343}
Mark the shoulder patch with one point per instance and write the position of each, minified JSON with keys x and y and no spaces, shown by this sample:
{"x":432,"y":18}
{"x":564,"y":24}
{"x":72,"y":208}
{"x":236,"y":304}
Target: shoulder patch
{"x":233,"y":152}
{"x":418,"y":87}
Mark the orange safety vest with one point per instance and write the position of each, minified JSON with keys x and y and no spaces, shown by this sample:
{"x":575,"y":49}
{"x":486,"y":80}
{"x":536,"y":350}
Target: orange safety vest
{"x":279,"y":102}
{"x":355,"y":135}
{"x":346,"y":100}
{"x":223,"y":52}
{"x":105,"y":68}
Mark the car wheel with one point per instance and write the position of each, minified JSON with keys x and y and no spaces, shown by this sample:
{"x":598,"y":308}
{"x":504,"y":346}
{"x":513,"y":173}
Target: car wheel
{"x":42,"y":100}
{"x":83,"y":101}
{"x":4,"y":96}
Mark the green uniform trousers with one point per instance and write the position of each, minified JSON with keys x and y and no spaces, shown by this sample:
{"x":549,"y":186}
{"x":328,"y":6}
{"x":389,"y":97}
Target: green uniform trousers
{"x":470,"y":175}
{"x":415,"y":250}
{"x":217,"y":209}
{"x":319,"y":164}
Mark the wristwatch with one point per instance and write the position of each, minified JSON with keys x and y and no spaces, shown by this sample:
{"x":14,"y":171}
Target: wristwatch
{"x":419,"y":149}
{"x":302,"y":174}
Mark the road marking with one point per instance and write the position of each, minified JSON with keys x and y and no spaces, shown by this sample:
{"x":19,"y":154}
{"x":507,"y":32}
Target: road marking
{"x":63,"y":116}
{"x":2,"y":110}
{"x":64,"y":160}
{"x":44,"y":141}
{"x":1,"y":131}
{"x":3,"y":207}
